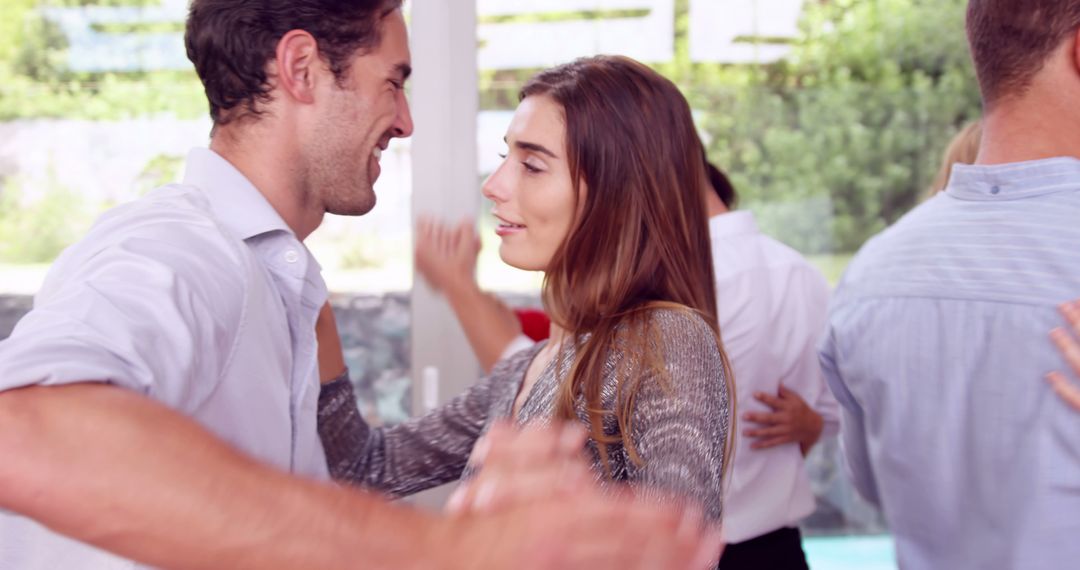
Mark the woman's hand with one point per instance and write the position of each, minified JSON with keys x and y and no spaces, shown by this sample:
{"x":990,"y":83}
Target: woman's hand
{"x":446,"y":255}
{"x":1070,"y":350}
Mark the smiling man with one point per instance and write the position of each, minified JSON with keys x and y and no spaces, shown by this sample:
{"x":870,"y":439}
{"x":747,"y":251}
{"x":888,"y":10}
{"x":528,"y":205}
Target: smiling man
{"x":158,"y":404}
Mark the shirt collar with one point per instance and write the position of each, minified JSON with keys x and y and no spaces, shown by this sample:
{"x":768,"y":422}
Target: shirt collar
{"x":1015,"y":180}
{"x":235,"y":201}
{"x":733,"y":223}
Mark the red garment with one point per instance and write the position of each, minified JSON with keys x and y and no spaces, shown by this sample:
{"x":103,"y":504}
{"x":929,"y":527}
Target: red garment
{"x":535,"y":324}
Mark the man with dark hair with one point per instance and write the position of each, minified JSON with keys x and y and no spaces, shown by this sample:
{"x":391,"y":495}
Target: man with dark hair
{"x":723,"y":189}
{"x":158,"y":405}
{"x":936,"y":338}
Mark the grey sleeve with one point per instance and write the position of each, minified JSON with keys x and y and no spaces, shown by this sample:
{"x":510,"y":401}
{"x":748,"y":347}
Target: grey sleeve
{"x":406,"y":458}
{"x":680,"y":424}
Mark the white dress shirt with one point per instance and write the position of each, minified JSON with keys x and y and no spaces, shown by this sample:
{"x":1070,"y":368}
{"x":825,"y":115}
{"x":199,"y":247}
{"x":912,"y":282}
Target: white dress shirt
{"x":198,"y":296}
{"x":772,"y":307}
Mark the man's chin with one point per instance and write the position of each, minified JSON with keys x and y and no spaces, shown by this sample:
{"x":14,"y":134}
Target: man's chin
{"x":357,"y":207}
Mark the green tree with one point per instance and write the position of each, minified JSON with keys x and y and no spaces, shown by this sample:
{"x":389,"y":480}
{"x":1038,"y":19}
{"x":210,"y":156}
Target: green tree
{"x":37,"y":230}
{"x":842,"y":138}
{"x":828,"y":146}
{"x":35,"y":81}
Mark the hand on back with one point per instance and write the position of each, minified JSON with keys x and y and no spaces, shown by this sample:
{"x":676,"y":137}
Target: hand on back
{"x":1067,"y":344}
{"x":791,"y":420}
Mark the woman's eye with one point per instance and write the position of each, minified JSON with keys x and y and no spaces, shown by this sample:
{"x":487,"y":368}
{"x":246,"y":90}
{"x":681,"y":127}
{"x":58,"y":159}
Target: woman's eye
{"x":502,"y":155}
{"x":530,"y":168}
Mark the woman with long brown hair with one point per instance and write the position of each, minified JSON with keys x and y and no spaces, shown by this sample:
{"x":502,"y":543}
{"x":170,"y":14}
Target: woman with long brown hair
{"x":602,"y":189}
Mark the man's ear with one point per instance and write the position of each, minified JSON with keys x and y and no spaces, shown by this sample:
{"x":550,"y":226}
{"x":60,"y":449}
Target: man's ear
{"x":297,"y":64}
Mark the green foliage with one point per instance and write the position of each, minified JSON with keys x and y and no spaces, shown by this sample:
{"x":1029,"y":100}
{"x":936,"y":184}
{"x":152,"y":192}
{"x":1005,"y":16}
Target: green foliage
{"x":161,"y":170}
{"x":827,"y":147}
{"x":37,"y":230}
{"x":562,"y":16}
{"x":103,"y":96}
{"x":78,"y":3}
{"x":840,"y":140}
{"x":41,"y":54}
{"x":36,"y":83}
{"x":362,"y":254}
{"x":12,"y":18}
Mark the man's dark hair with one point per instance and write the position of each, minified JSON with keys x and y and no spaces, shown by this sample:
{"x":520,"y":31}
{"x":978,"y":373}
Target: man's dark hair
{"x":1012,"y":39}
{"x":231,"y":41}
{"x":721,"y":185}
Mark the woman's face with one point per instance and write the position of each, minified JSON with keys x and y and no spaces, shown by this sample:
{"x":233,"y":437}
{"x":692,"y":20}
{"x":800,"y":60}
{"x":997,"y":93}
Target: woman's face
{"x":532,"y":189}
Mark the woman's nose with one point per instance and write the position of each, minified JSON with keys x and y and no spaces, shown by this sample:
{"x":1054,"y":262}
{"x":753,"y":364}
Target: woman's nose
{"x":494,"y":189}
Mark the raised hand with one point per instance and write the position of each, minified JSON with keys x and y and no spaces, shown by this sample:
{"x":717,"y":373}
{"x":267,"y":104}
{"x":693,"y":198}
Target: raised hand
{"x":446,"y":255}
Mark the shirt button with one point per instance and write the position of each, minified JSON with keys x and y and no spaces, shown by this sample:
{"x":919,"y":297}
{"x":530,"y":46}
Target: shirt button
{"x":995,"y":190}
{"x":291,"y":256}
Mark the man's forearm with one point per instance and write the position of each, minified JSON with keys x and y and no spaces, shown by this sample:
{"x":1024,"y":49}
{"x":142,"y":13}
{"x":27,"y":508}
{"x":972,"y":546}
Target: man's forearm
{"x":118,"y":471}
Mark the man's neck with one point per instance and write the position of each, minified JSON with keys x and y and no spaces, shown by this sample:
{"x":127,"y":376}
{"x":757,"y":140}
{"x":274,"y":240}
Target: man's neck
{"x":1031,"y":128}
{"x":713,"y":205}
{"x":274,"y":169}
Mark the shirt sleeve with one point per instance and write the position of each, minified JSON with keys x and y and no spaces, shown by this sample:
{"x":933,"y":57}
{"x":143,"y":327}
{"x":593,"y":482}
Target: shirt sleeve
{"x":852,"y":428}
{"x":150,"y":307}
{"x":412,"y":456}
{"x":520,"y":342}
{"x":680,"y":423}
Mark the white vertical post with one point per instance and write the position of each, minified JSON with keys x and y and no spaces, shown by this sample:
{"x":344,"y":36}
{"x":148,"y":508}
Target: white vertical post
{"x":444,"y":179}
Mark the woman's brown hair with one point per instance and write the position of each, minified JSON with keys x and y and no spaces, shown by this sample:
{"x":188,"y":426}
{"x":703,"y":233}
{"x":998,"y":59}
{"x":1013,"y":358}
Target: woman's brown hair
{"x":640,"y":241}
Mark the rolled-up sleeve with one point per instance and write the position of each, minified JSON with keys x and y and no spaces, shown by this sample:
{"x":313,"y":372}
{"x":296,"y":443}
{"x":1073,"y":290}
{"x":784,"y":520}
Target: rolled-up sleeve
{"x":149,"y":308}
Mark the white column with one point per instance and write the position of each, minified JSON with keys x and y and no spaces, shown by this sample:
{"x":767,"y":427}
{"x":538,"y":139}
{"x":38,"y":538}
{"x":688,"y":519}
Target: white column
{"x":445,"y":184}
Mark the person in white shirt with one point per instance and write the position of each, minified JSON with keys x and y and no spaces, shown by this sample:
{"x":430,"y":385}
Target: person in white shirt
{"x":771,"y":306}
{"x":157,"y":406}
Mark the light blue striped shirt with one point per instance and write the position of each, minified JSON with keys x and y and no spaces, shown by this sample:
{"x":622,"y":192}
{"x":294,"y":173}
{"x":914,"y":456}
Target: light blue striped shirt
{"x":936,"y":349}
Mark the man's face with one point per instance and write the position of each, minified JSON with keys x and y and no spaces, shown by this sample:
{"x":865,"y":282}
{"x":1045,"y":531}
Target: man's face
{"x":357,"y":122}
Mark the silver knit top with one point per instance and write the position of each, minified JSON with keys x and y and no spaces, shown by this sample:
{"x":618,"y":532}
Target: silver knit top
{"x":679,"y":427}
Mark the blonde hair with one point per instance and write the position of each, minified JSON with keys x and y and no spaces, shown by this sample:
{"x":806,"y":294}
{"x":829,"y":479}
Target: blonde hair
{"x":962,"y":149}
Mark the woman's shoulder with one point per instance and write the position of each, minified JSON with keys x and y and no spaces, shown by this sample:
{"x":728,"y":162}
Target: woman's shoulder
{"x":678,"y":325}
{"x":674,"y":335}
